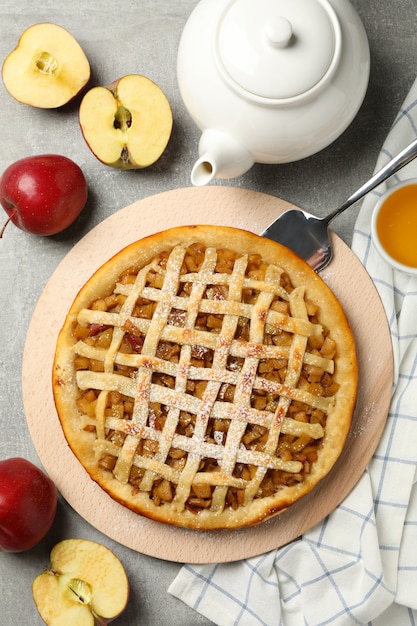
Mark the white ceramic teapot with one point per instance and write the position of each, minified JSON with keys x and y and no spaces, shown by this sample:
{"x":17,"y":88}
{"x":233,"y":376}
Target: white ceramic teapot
{"x":270,"y":81}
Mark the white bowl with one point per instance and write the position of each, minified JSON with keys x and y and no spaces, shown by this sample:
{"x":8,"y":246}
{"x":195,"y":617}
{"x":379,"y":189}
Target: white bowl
{"x":394,"y":226}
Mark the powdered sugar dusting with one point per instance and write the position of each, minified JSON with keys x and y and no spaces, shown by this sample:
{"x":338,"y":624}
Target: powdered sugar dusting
{"x":364,"y":422}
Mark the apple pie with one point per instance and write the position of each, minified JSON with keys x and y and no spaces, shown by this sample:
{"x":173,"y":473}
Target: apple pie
{"x":206,"y":377}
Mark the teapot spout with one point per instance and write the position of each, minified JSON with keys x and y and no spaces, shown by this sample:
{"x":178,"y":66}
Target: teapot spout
{"x":221,"y":156}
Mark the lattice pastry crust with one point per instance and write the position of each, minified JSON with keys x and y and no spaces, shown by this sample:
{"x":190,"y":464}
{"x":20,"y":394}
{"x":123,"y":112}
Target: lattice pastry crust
{"x":206,"y":377}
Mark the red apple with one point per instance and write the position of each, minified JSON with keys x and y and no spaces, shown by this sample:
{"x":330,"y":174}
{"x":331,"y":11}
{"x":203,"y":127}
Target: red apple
{"x":28,"y":500}
{"x":43,"y":194}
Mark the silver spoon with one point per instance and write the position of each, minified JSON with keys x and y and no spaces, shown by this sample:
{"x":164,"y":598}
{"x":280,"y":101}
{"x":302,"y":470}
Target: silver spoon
{"x":308,"y":236}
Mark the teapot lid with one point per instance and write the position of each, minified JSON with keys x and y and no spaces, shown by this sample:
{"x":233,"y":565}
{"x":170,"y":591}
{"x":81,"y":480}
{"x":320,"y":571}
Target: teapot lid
{"x":278,"y":49}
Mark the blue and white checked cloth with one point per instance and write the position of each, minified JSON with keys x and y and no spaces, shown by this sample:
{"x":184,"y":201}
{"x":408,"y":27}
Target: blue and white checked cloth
{"x":359,"y":566}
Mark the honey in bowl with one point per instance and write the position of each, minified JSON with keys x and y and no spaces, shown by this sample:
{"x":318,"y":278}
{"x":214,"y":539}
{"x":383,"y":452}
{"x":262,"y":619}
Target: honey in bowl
{"x":395,"y":225}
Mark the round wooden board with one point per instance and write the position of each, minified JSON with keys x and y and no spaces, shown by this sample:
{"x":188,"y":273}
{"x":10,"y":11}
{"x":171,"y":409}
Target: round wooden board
{"x":207,"y":205}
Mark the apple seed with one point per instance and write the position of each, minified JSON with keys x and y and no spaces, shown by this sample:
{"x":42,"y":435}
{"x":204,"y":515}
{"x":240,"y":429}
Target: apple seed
{"x":123,"y":118}
{"x":81,"y":590}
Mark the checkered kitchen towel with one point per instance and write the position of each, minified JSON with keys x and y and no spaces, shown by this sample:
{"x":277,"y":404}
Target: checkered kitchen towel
{"x":359,"y":566}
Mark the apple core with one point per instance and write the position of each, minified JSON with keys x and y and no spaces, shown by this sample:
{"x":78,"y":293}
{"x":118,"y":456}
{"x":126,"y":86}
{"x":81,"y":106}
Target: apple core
{"x":46,"y":63}
{"x":80,"y":590}
{"x":123,"y":118}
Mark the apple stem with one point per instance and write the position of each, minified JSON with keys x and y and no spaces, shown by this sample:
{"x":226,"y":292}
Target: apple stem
{"x":98,"y":621}
{"x":10,"y":218}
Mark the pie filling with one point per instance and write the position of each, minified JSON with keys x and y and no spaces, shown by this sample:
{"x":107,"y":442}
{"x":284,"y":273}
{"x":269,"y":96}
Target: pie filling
{"x":206,"y":379}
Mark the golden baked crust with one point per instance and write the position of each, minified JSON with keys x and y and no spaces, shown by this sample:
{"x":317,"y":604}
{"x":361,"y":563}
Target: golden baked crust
{"x":206,"y":377}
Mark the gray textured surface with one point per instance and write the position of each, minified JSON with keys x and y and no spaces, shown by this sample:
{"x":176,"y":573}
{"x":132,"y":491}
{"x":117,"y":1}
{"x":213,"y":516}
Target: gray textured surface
{"x":142,"y":37}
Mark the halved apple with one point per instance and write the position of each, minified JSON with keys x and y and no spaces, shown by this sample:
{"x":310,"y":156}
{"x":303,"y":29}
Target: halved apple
{"x":128,"y":123}
{"x":85,"y":584}
{"x":48,"y":67}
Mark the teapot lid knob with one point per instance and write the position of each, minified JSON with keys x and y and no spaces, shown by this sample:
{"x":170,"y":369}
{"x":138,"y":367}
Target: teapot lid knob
{"x":279,"y":32}
{"x":277,"y":50}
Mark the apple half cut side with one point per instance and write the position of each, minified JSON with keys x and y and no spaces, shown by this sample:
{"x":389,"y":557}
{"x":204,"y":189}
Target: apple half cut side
{"x":128,"y":123}
{"x":48,"y":67}
{"x":85,"y":584}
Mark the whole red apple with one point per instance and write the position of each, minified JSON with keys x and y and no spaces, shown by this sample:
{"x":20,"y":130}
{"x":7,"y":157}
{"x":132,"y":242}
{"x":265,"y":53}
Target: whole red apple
{"x":43,"y":194}
{"x":28,"y":500}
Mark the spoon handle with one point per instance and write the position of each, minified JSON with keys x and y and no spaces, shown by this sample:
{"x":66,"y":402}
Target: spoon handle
{"x":405,"y":156}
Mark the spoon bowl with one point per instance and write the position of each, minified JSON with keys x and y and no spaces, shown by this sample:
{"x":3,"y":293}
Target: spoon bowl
{"x":308,"y":236}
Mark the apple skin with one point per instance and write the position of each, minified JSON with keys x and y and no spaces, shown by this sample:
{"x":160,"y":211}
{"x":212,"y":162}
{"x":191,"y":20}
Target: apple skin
{"x":43,"y":194}
{"x":28,"y":501}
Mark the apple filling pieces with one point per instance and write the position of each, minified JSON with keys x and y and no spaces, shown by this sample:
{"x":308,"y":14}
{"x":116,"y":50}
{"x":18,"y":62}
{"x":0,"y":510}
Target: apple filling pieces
{"x":206,"y":377}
